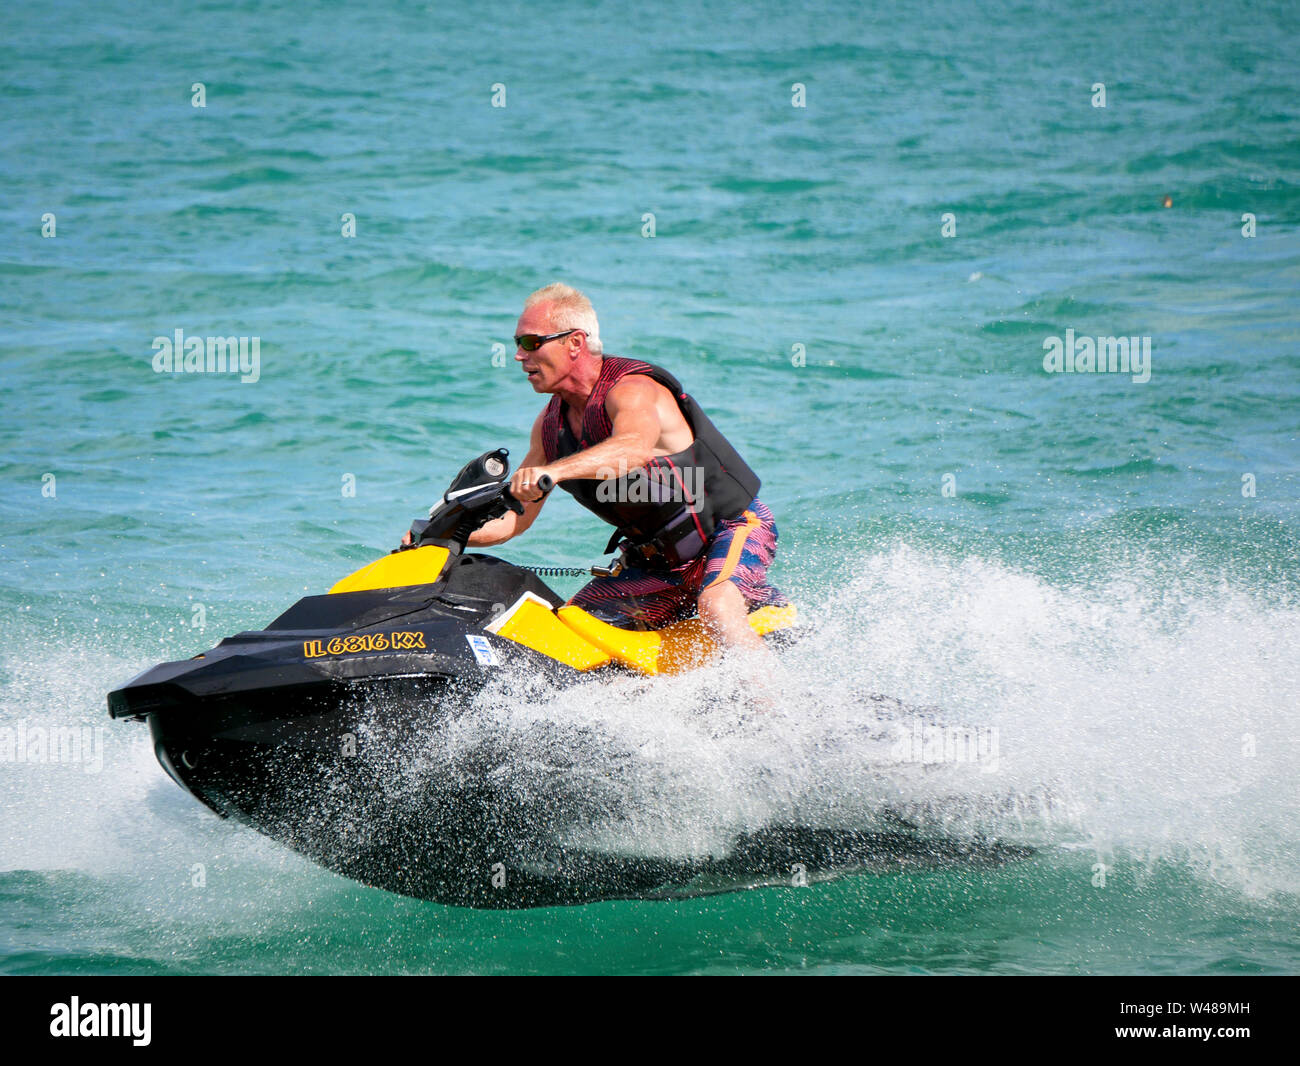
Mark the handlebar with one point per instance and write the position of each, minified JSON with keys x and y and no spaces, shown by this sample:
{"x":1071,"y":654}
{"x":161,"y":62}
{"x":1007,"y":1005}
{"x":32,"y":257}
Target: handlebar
{"x":470,"y":502}
{"x":544,"y":484}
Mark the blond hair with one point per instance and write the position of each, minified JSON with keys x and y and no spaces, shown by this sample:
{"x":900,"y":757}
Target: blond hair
{"x":570,"y":309}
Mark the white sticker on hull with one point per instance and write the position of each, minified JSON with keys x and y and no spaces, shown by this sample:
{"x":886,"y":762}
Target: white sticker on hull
{"x":482,"y":650}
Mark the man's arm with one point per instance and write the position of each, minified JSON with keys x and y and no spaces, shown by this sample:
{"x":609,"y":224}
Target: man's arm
{"x":637,"y":428}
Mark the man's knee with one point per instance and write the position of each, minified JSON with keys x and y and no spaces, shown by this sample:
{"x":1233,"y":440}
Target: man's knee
{"x":724,"y":610}
{"x":722,"y":600}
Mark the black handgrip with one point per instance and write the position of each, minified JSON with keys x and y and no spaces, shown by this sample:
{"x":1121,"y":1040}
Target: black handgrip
{"x":544,"y":485}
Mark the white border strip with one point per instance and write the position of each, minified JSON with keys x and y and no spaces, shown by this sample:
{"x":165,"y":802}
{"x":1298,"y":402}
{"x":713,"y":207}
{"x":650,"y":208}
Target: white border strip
{"x":493,"y":626}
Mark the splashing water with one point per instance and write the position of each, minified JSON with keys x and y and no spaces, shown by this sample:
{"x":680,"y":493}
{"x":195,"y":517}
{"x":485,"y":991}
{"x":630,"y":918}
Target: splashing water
{"x":1153,"y":725}
{"x":1131,"y":724}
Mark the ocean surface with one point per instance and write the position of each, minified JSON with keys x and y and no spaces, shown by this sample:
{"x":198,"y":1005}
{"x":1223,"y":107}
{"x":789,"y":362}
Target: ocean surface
{"x":1103,"y":568}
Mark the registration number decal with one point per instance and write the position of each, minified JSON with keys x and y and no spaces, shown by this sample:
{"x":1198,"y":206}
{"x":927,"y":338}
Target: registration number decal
{"x":395,"y":641}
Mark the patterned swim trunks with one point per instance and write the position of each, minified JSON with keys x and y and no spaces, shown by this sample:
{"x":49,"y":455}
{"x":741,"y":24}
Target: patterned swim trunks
{"x":740,"y":551}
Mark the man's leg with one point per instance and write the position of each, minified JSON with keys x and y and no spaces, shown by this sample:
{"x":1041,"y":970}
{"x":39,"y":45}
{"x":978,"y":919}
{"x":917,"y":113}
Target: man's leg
{"x":735,"y":576}
{"x":737,"y":570}
{"x":724,"y":610}
{"x":636,"y":599}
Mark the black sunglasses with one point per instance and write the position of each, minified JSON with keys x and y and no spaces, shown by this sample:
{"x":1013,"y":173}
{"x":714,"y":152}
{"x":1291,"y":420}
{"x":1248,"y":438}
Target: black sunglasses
{"x":530,"y":342}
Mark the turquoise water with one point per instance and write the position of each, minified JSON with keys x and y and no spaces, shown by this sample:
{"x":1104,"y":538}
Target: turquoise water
{"x":1097,"y":583}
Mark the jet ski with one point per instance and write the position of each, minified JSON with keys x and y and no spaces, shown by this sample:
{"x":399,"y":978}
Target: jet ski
{"x":310,"y":730}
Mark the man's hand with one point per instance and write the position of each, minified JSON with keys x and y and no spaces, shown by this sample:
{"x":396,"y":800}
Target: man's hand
{"x":523,"y":486}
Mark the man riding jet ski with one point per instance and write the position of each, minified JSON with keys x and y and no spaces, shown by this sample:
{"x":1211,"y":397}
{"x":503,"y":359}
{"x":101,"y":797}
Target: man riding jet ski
{"x":303,"y":729}
{"x":312,"y":730}
{"x":632,"y":447}
{"x":340,"y":729}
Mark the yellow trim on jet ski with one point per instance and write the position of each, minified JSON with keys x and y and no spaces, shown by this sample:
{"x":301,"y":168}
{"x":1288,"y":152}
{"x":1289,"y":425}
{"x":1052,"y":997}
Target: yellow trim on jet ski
{"x":418,"y":566}
{"x":674,"y":649}
{"x":530,"y":621}
{"x":769,"y":619}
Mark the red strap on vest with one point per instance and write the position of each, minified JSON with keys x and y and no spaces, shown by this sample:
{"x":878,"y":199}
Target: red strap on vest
{"x":596,"y":424}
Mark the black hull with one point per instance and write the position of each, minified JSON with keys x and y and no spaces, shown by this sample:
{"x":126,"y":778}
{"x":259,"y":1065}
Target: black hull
{"x":299,"y":772}
{"x":322,"y":732}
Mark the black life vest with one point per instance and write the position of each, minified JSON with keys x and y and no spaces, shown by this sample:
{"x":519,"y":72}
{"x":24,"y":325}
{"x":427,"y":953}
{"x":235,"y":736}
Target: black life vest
{"x":672,"y":505}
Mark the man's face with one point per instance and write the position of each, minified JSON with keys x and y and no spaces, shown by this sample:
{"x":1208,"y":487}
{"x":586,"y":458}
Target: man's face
{"x":550,"y":364}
